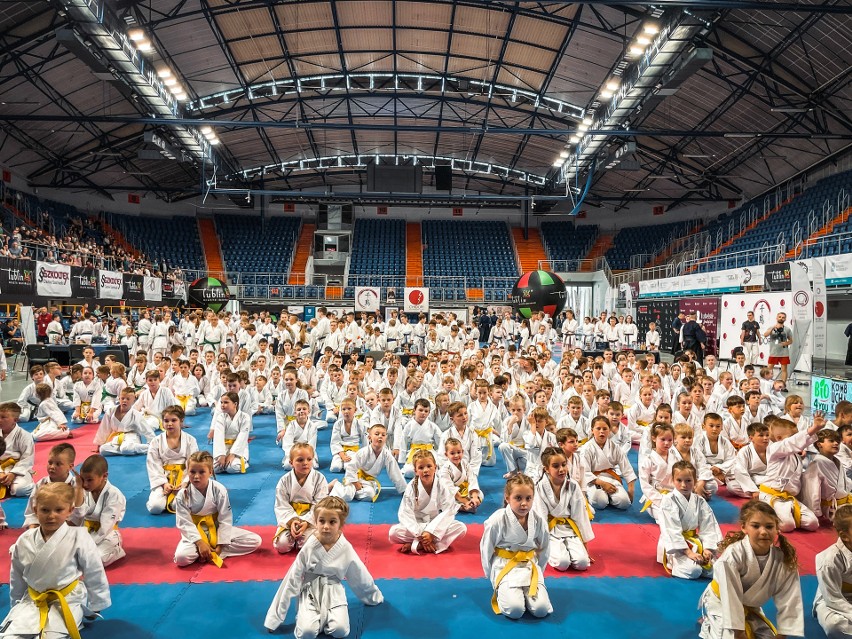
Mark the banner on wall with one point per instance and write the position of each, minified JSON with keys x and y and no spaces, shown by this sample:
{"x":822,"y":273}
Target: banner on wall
{"x":734,"y":309}
{"x":663,"y":312}
{"x":776,"y":277}
{"x":110,"y":285}
{"x":16,"y":276}
{"x":53,"y":280}
{"x":826,"y":392}
{"x":153,"y":289}
{"x":367,"y":299}
{"x":134,"y":287}
{"x":416,"y":300}
{"x":84,"y":282}
{"x":820,"y":331}
{"x":838,"y":269}
{"x":727,"y":281}
{"x":707,"y":309}
{"x":803,"y":316}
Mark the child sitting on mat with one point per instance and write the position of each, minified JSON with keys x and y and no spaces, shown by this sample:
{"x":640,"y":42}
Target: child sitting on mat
{"x":231,"y":428}
{"x":103,"y":508}
{"x":52,"y":423}
{"x":326,"y":559}
{"x":168,"y":454}
{"x":295,"y":496}
{"x":60,"y":468}
{"x":833,"y":601}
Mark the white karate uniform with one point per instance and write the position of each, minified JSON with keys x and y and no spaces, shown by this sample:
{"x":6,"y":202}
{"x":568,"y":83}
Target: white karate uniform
{"x":655,"y":478}
{"x":678,"y":514}
{"x":470,"y":447}
{"x":748,"y":472}
{"x":534,"y":444}
{"x":315,"y":578}
{"x":461,"y":477}
{"x":123,"y":436}
{"x":368,"y":462}
{"x":340,"y":438}
{"x":736,"y":432}
{"x":30,"y":517}
{"x":724,"y":457}
{"x":288,"y":494}
{"x":832,"y":606}
{"x":425,"y":434}
{"x":234,"y":429}
{"x":503,"y":530}
{"x":90,"y":395}
{"x":746,"y":580}
{"x":607,"y":458}
{"x":52,"y":565}
{"x":296,"y":432}
{"x":639,"y":420}
{"x":481,"y":418}
{"x":824,"y":484}
{"x":110,"y":391}
{"x":161,"y":455}
{"x":152,"y":407}
{"x":20,"y":447}
{"x":232,"y":540}
{"x":102,"y":517}
{"x":567,"y":550}
{"x":50,"y":422}
{"x":433,"y":512}
{"x":784,"y":473}
{"x":512,"y":446}
{"x":186,"y":392}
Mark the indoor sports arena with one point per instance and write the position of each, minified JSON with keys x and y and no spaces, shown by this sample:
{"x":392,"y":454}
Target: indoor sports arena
{"x":374,"y":317}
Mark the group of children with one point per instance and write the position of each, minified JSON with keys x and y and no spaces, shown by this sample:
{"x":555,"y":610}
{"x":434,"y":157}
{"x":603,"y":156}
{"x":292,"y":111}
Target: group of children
{"x":563,"y":430}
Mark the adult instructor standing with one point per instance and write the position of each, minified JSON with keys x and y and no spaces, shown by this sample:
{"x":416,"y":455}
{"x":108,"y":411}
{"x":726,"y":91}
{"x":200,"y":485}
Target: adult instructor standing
{"x":694,"y":337}
{"x":780,"y":339}
{"x":677,"y":324}
{"x":749,"y":337}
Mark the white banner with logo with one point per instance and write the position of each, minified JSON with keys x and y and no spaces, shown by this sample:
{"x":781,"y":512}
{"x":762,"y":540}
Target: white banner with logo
{"x":367,"y":299}
{"x":735,"y":308}
{"x":53,"y":280}
{"x":838,"y":269}
{"x":803,"y":316}
{"x":153,"y":289}
{"x":110,"y":285}
{"x":820,"y":332}
{"x":416,"y":300}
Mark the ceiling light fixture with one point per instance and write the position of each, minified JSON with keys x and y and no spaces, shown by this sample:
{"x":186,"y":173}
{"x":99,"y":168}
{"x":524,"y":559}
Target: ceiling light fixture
{"x":651,"y":29}
{"x":206,"y":129}
{"x":636,"y":50}
{"x":613,"y":85}
{"x":643,"y":40}
{"x":136,"y":35}
{"x":606,"y":95}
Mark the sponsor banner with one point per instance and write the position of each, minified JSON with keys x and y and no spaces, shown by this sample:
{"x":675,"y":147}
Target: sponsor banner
{"x":820,"y":331}
{"x":727,"y":281}
{"x":776,"y":277}
{"x":649,"y":288}
{"x":110,"y":285}
{"x":734,"y":312}
{"x":416,"y":300}
{"x":803,"y":317}
{"x":826,"y":392}
{"x":695,"y":284}
{"x":153,"y":289}
{"x":367,"y":299}
{"x":53,"y":280}
{"x":84,"y":283}
{"x":838,"y":269}
{"x":180,"y":290}
{"x":173,"y":290}
{"x":707,"y":309}
{"x":134,"y":287}
{"x":17,"y":276}
{"x":663,"y":312}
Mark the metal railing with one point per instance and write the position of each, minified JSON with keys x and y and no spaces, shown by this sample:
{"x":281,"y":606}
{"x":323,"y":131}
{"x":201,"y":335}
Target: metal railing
{"x":766,"y":254}
{"x":47,"y":253}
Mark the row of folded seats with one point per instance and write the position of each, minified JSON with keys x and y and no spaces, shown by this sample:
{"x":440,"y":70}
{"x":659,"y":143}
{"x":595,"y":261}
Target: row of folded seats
{"x":257,"y":245}
{"x":474,"y":249}
{"x":565,"y":241}
{"x":378,"y":249}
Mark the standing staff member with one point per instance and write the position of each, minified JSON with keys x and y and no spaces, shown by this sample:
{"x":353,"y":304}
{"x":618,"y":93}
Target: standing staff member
{"x":677,"y":324}
{"x":694,"y":337}
{"x":749,"y":339}
{"x":780,"y":339}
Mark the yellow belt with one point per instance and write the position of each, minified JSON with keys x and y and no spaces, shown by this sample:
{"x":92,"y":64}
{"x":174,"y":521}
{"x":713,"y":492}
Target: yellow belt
{"x":183,"y":400}
{"x":4,"y":466}
{"x":464,"y":489}
{"x":415,"y":447}
{"x":553,"y":522}
{"x":207,"y":526}
{"x":648,"y":503}
{"x":691,"y":537}
{"x":516,"y":558}
{"x":829,"y":503}
{"x":749,"y":610}
{"x":42,"y":601}
{"x":779,"y":494}
{"x":84,"y":409}
{"x":351,"y":449}
{"x":641,"y":423}
{"x":301,"y":508}
{"x":362,"y":476}
{"x":117,"y":435}
{"x":157,"y":417}
{"x":95,"y":526}
{"x":407,"y":411}
{"x":229,"y":443}
{"x":486,"y":432}
{"x":291,"y":418}
{"x":175,"y":475}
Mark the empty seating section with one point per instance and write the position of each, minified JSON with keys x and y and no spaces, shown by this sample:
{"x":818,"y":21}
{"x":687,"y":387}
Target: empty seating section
{"x":567,"y":241}
{"x":639,"y":239}
{"x":258,"y":245}
{"x":378,"y":249}
{"x":461,"y":255}
{"x":173,"y":241}
{"x":781,"y":226}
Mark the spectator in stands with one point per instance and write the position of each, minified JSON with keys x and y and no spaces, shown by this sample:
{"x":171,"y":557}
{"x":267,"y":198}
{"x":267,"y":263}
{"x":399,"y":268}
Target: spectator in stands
{"x":15,"y":248}
{"x":13,"y":336}
{"x":780,"y":339}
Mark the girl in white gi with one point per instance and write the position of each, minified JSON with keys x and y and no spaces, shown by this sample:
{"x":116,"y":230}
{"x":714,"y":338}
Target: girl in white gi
{"x":456,"y":471}
{"x":185,"y":388}
{"x":112,"y":386}
{"x":640,"y":415}
{"x":168,"y":454}
{"x":825,"y":485}
{"x":103,"y":508}
{"x":203,"y":381}
{"x":363,"y":469}
{"x":285,"y":407}
{"x":536,"y":439}
{"x":326,"y":559}
{"x":427,"y":512}
{"x":514,"y":428}
{"x":295,"y":496}
{"x":655,"y":475}
{"x":59,"y":559}
{"x":347,"y":436}
{"x":302,"y":429}
{"x":204,"y":518}
{"x":420,"y":433}
{"x":159,"y":336}
{"x":485,"y":421}
{"x":603,"y":457}
{"x":757,"y":564}
{"x":52,"y":424}
{"x":561,"y":503}
{"x":122,"y":430}
{"x":689,"y":532}
{"x":514,"y":551}
{"x":153,"y":399}
{"x":833,"y":601}
{"x":87,"y":398}
{"x":231,"y":428}
{"x":784,"y":473}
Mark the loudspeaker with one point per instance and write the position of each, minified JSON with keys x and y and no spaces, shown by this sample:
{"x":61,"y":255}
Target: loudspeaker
{"x":444,"y":178}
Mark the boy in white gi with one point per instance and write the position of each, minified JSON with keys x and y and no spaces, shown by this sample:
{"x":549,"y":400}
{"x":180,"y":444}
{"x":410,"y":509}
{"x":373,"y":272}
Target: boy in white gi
{"x":168,"y":454}
{"x":153,"y":399}
{"x":347,"y":436}
{"x":103,"y":508}
{"x":749,"y":469}
{"x":295,"y":496}
{"x":421,"y":433}
{"x":603,"y":457}
{"x":60,"y":465}
{"x":16,"y":463}
{"x":231,"y":429}
{"x":833,"y":601}
{"x":52,"y":424}
{"x":302,"y":429}
{"x":122,"y":429}
{"x":363,"y":469}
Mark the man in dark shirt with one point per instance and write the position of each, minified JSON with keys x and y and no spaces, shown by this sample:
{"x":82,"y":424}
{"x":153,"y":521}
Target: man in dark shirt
{"x":694,"y":338}
{"x":677,"y":324}
{"x":750,"y":338}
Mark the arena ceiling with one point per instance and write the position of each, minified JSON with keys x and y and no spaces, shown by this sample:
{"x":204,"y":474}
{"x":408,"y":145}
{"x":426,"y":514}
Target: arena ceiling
{"x":724,"y":100}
